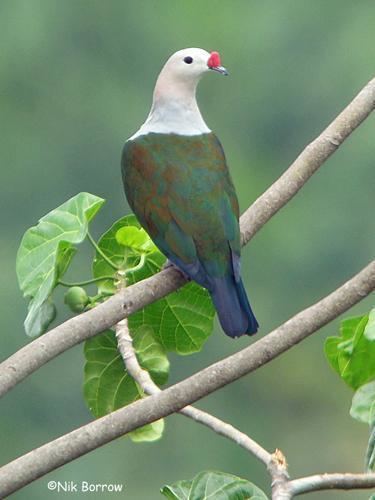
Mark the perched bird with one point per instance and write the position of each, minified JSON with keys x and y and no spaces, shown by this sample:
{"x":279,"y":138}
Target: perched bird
{"x":177,"y":183}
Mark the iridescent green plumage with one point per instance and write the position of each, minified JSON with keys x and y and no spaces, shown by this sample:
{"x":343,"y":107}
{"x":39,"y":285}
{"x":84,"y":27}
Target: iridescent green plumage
{"x":180,"y":189}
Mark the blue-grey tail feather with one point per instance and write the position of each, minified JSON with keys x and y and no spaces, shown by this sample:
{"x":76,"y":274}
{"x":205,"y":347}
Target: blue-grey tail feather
{"x":228,"y":295}
{"x":233,"y":308}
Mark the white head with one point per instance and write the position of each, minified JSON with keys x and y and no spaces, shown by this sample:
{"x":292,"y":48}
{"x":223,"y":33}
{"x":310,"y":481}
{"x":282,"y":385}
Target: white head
{"x":192,"y":64}
{"x":183,"y":70}
{"x":174,"y":107}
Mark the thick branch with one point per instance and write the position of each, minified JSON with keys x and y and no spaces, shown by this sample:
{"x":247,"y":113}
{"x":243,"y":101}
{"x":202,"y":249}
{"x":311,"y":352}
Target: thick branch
{"x":48,"y":457}
{"x":76,"y":330}
{"x":334,"y":481}
{"x":143,"y":379}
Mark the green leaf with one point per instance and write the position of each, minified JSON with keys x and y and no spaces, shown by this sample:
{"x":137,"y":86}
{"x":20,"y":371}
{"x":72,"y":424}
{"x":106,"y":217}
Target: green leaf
{"x":107,"y":385}
{"x":363,"y":404}
{"x":38,"y":322}
{"x":148,"y":433}
{"x":370,"y":327}
{"x":151,"y":354}
{"x":352,"y":355}
{"x":183,"y":320}
{"x":331,"y":352}
{"x":214,"y":486}
{"x":349,"y":325}
{"x":123,"y":256}
{"x":180,"y":490}
{"x":135,"y":238}
{"x":46,"y":251}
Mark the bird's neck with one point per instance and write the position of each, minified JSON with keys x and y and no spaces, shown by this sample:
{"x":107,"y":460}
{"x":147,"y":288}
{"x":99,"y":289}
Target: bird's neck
{"x":174,"y":110}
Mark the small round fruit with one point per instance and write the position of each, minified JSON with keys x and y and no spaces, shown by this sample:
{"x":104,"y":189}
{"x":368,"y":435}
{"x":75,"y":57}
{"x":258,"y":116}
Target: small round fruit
{"x":76,"y":299}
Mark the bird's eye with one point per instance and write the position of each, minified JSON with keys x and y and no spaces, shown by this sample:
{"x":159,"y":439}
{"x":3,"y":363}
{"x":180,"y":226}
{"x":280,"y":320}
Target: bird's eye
{"x":188,"y":59}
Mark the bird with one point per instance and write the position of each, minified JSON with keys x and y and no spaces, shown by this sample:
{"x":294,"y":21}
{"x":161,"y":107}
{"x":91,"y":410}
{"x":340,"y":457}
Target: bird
{"x":177,"y":183}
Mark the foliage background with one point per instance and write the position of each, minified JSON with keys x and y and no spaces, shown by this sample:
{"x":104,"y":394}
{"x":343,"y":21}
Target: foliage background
{"x":75,"y":81}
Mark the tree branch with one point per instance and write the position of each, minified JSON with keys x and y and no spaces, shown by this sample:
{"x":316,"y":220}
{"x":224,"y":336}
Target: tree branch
{"x":334,"y":481}
{"x":80,"y":328}
{"x":86,"y":325}
{"x":142,"y":377}
{"x":278,"y":468}
{"x":48,"y":457}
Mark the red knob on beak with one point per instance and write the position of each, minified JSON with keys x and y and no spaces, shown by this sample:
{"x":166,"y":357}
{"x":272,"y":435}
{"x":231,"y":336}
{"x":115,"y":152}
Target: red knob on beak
{"x":214,"y":63}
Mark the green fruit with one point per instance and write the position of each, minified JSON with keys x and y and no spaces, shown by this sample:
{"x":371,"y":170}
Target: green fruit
{"x":76,"y":299}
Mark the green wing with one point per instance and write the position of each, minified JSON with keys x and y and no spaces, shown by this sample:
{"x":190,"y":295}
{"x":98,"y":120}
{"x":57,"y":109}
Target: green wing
{"x":181,"y":191}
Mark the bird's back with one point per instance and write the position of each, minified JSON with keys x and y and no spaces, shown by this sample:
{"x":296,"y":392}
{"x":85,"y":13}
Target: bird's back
{"x":180,"y":189}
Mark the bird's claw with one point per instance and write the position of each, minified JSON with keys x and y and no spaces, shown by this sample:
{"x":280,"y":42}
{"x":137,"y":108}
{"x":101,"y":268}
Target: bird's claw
{"x":168,"y":263}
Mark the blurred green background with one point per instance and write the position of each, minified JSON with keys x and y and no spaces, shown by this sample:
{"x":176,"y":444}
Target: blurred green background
{"x":76,"y":79}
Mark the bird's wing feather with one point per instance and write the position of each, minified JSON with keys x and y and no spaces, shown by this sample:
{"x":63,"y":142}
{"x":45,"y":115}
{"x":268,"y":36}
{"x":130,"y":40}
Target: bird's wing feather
{"x":180,"y":189}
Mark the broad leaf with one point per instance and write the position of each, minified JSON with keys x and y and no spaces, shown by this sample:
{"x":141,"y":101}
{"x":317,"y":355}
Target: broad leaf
{"x":183,"y":320}
{"x":180,"y":490}
{"x":149,"y":432}
{"x":363,"y":404}
{"x":214,"y":486}
{"x":349,"y":325}
{"x":370,"y":327}
{"x":107,"y":385}
{"x":352,"y":355}
{"x":135,"y":238}
{"x":363,"y":409}
{"x":46,"y":251}
{"x":39,"y":320}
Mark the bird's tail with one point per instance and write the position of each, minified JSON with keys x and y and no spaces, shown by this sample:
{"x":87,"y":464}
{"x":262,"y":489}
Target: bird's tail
{"x":233,"y":308}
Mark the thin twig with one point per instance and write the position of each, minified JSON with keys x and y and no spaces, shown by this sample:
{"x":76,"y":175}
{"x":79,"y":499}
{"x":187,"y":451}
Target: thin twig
{"x":52,"y":455}
{"x":80,"y":328}
{"x":85,"y":282}
{"x":138,"y":266}
{"x":101,"y":253}
{"x":336,"y":481}
{"x":142,"y":377}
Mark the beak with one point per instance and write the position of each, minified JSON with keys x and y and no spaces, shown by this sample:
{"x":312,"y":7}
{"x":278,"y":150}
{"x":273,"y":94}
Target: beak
{"x":220,"y":69}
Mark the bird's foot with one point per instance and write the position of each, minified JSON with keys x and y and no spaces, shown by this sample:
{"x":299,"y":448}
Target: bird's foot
{"x":168,"y":263}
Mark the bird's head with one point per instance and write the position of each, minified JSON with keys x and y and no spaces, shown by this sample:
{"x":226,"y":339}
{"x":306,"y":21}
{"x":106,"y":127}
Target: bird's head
{"x":191,"y":64}
{"x":178,"y":79}
{"x":183,"y":70}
